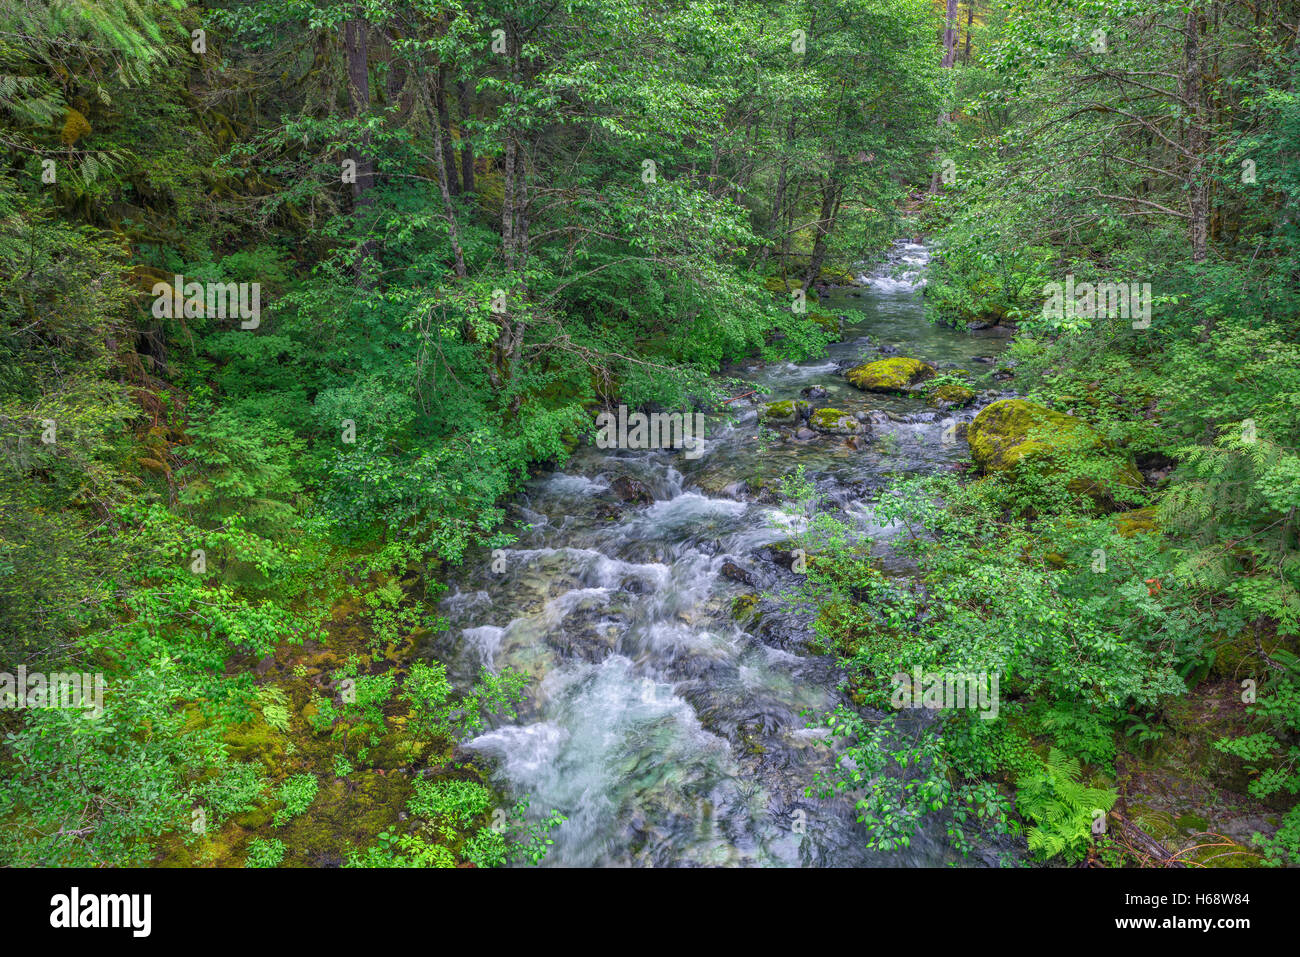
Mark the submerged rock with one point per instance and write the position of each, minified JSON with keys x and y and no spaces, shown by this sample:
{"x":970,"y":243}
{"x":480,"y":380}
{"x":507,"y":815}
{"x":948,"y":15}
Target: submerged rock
{"x":632,"y":491}
{"x":890,"y":375}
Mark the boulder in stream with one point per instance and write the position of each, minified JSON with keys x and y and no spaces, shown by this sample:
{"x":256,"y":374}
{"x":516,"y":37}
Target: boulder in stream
{"x":951,"y":396}
{"x":787,"y":410}
{"x":834,"y":422}
{"x":890,"y":375}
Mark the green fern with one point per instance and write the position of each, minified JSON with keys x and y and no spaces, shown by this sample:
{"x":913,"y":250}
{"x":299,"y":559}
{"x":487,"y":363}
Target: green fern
{"x":275,"y":707}
{"x":1061,"y":808}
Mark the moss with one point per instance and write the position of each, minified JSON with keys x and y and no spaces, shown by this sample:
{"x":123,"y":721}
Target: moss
{"x":256,"y":741}
{"x":785,"y":410}
{"x":890,"y":375}
{"x":1217,"y":852}
{"x":1009,"y":430}
{"x":836,"y":277}
{"x":829,"y":324}
{"x":1191,"y":823}
{"x":75,"y":126}
{"x":950,"y":396}
{"x":1138,"y":521}
{"x":778,"y":285}
{"x":743,"y":605}
{"x":834,"y":422}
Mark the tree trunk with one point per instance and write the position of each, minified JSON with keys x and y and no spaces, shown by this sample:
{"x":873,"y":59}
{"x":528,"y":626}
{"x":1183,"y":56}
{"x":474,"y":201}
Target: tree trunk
{"x":831,"y":193}
{"x":949,"y":59}
{"x":466,"y":150}
{"x":445,"y":175}
{"x":1198,"y":185}
{"x":970,"y":22}
{"x":354,"y":45}
{"x":950,"y":35}
{"x":444,"y":125}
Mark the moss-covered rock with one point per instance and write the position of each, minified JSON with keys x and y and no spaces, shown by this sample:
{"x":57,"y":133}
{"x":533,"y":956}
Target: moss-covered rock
{"x":786,"y":286}
{"x":786,"y":410}
{"x":1137,"y":522}
{"x":834,"y":422}
{"x":1010,"y":430}
{"x":951,"y":396}
{"x":890,"y":375}
{"x":742,"y":606}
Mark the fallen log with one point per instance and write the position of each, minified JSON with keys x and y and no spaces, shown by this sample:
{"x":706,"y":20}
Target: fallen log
{"x":1133,"y":838}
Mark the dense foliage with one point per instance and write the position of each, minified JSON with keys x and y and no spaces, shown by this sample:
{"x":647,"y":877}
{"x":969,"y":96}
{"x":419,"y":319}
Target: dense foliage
{"x":471,"y":225}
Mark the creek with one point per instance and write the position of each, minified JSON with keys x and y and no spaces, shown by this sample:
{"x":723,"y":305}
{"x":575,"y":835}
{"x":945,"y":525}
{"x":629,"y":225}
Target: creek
{"x":667,"y":730}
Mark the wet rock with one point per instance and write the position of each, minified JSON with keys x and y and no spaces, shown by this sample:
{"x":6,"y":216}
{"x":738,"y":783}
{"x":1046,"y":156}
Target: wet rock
{"x":781,"y":554}
{"x":805,"y":434}
{"x":632,"y":491}
{"x":736,"y":490}
{"x":736,"y":573}
{"x":813,"y":392}
{"x":986,"y":360}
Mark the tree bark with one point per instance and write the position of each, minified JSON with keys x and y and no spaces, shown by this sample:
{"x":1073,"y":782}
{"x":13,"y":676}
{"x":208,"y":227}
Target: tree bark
{"x":466,"y":150}
{"x":444,"y":126}
{"x":358,"y":70}
{"x":445,"y":176}
{"x":832,"y":190}
{"x":970,"y":22}
{"x":950,"y":35}
{"x":949,"y":59}
{"x":1198,"y":185}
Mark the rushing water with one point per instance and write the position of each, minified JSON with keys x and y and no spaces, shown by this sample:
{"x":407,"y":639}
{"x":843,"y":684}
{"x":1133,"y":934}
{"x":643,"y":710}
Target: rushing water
{"x":665,"y":730}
